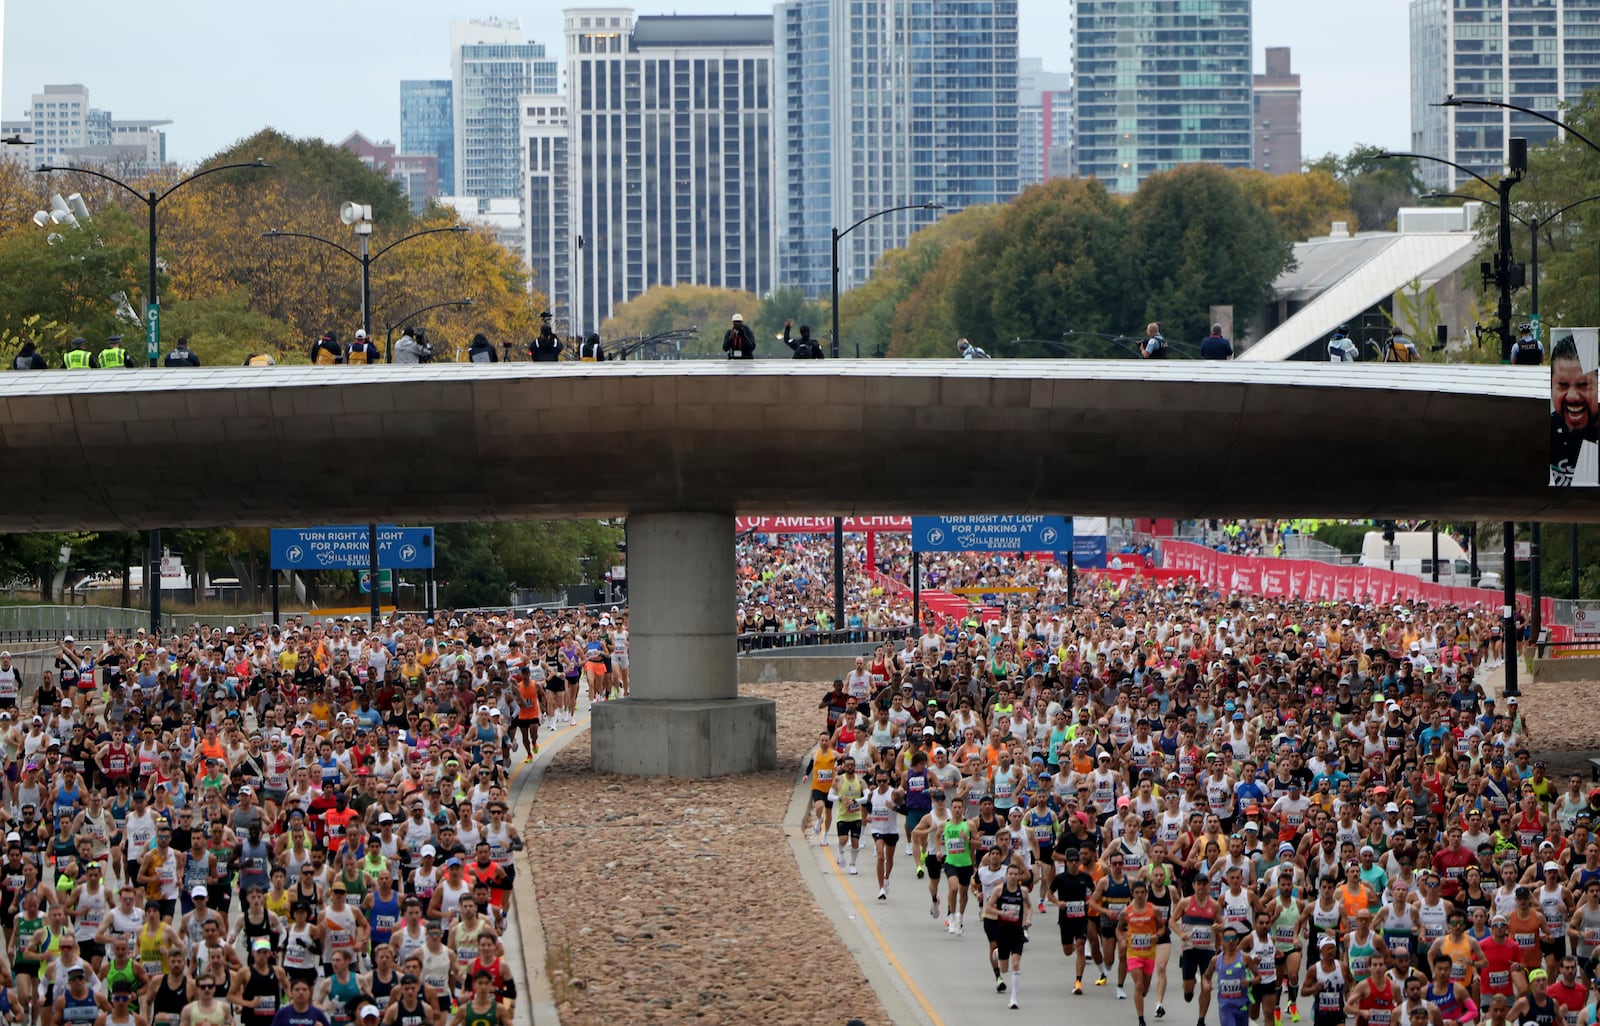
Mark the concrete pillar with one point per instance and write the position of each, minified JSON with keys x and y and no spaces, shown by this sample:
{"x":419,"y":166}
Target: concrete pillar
{"x":685,"y":718}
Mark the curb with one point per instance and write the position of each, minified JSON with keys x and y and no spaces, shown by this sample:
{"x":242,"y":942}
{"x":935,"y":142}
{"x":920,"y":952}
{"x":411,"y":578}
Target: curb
{"x":535,"y":982}
{"x":885,"y":983}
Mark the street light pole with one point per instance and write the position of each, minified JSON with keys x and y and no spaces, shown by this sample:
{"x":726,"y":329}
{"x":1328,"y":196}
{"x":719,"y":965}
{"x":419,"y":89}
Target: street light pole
{"x":152,"y":326}
{"x":837,"y":235}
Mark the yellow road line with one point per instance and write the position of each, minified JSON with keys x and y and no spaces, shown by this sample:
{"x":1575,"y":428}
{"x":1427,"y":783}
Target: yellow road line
{"x":883,"y":943}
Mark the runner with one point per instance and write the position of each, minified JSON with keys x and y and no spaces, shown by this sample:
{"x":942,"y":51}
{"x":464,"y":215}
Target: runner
{"x":1007,"y":907}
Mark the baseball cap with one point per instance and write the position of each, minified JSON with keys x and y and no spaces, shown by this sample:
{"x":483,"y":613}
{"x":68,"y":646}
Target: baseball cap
{"x":199,"y":891}
{"x":368,"y":1012}
{"x":1538,"y":974}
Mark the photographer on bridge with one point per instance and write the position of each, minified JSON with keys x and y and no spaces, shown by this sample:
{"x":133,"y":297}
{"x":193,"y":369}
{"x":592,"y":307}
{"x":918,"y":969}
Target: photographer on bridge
{"x":413,"y":347}
{"x":738,"y":342}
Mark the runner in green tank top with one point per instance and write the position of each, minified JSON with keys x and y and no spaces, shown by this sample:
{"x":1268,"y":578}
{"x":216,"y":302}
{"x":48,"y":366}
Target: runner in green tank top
{"x":957,"y":864}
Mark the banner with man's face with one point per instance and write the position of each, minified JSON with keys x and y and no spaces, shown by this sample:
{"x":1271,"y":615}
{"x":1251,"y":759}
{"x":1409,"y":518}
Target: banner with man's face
{"x":1575,"y":408}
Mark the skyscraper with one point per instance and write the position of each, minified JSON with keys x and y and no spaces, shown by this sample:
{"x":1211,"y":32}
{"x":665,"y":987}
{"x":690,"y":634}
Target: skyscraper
{"x":671,"y":154}
{"x":1277,"y":124}
{"x":1044,"y":121}
{"x":886,"y":103}
{"x":492,"y":68}
{"x":1535,"y":53}
{"x":1158,"y":84}
{"x":427,"y":125}
{"x":546,"y":202}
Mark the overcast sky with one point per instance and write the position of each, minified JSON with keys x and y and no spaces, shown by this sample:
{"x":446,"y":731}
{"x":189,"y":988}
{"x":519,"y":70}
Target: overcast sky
{"x":221,"y":71}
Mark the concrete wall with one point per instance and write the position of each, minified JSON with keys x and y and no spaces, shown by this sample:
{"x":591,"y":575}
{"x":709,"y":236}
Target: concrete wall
{"x":773,"y":669}
{"x":1561,"y":671}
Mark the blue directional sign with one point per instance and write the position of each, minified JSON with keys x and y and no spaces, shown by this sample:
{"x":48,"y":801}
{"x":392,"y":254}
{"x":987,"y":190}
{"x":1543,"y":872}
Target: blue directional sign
{"x":991,"y":534}
{"x":344,"y":547}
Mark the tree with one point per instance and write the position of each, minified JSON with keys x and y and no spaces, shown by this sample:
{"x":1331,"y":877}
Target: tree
{"x":1378,"y":186}
{"x":544,"y":555}
{"x":668,"y":307}
{"x":1197,"y":240}
{"x":1304,"y":205}
{"x":465,"y":561}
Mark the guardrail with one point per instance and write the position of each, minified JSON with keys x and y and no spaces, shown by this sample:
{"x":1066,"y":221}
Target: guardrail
{"x":772,"y":641}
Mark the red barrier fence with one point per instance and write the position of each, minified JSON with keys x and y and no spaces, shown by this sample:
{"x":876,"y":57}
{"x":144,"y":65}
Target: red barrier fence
{"x":1312,"y":581}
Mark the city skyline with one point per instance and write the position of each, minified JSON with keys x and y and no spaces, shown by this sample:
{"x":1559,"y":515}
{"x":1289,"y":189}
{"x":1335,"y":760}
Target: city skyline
{"x":1352,"y":60}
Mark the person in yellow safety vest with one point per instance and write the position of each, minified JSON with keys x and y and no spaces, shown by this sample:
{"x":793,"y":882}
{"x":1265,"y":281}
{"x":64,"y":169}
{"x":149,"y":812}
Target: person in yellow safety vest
{"x":589,"y":350}
{"x":326,"y":350}
{"x":113,"y":355}
{"x":362,"y":350}
{"x":78,"y":356}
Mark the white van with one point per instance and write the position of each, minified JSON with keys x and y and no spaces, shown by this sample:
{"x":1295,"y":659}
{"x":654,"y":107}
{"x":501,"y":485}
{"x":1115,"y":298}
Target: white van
{"x":1416,"y":558}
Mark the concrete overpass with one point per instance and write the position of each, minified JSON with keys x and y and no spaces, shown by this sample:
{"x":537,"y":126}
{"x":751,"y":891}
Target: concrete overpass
{"x":681,"y":447}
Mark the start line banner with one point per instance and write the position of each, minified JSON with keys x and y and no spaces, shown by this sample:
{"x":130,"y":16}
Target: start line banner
{"x":1310,"y":581}
{"x":820,"y":525}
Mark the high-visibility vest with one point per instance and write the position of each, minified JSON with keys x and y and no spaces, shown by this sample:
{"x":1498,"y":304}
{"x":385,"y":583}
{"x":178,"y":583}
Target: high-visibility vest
{"x":77,"y":359}
{"x":357,"y":354}
{"x":116,"y":356}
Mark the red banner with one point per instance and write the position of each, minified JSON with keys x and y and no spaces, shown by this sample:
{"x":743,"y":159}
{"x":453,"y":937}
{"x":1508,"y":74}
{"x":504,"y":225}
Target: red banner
{"x":820,"y":525}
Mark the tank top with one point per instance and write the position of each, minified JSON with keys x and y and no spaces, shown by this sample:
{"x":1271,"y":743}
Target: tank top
{"x":1359,"y":957}
{"x":1330,"y":992}
{"x":1200,"y":917}
{"x":1009,"y":906}
{"x":169,"y":1000}
{"x":1378,"y":1004}
{"x":1460,"y":952}
{"x":343,"y":995}
{"x":117,"y":974}
{"x":152,"y":950}
{"x":1117,"y":896}
{"x":262,"y":993}
{"x":1230,"y":974}
{"x":1143,"y":926}
{"x":382,"y":989}
{"x":300,"y":950}
{"x":957,"y":851}
{"x":80,"y":1011}
{"x":473,"y":1017}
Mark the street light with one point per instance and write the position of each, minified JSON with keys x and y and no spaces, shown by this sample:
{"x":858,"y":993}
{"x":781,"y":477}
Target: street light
{"x":388,"y":329}
{"x":152,"y":325}
{"x":1452,"y":100}
{"x":365,"y":257}
{"x":837,"y":235}
{"x":152,"y":200}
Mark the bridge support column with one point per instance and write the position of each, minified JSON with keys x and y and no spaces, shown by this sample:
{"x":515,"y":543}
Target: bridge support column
{"x":685,"y":718}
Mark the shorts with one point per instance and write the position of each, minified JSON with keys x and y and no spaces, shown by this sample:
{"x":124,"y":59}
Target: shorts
{"x":1108,"y":927}
{"x":530,"y":721}
{"x":1194,"y":962}
{"x":1556,"y":949}
{"x":619,"y":662}
{"x":556,"y":686}
{"x":274,"y":795}
{"x":169,"y":907}
{"x":1008,"y":939}
{"x":91,"y":949}
{"x":1074,"y":929}
{"x":962,"y":875}
{"x":889,"y":840}
{"x":1260,"y":992}
{"x":933,"y":864}
{"x":821,"y":796}
{"x":913,"y":817}
{"x":309,"y":975}
{"x":8,"y":701}
{"x":1146,"y":965}
{"x":849,"y":828}
{"x":596,"y":669}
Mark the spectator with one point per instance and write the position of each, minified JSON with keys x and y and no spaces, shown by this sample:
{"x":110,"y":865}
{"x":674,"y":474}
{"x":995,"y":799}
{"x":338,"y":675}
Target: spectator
{"x":259,"y":360}
{"x":29,"y":358}
{"x":1340,"y":348}
{"x":1155,"y":346}
{"x":326,"y":350}
{"x":738,"y":342}
{"x":546,"y":347}
{"x":412,"y":347}
{"x":590,"y":350}
{"x":362,"y":350}
{"x":113,"y":355}
{"x":969,"y":351}
{"x":1214,"y":346}
{"x":481,"y":351}
{"x":77,"y":356}
{"x":1400,"y":348}
{"x":182,"y":356}
{"x":805,"y":347}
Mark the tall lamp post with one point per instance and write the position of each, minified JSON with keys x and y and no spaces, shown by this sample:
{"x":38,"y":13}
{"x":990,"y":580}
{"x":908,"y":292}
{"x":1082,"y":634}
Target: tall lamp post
{"x":1507,"y":277}
{"x":838,"y":522}
{"x":360,"y":217}
{"x":837,"y":235}
{"x":388,"y":329}
{"x":152,"y":326}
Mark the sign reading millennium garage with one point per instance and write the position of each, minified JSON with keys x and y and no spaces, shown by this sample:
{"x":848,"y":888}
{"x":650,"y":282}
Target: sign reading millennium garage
{"x":991,"y":534}
{"x":345,"y":548}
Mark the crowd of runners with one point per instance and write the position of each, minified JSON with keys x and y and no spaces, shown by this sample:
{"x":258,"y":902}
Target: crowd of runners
{"x":1296,"y":810}
{"x":301,"y":825}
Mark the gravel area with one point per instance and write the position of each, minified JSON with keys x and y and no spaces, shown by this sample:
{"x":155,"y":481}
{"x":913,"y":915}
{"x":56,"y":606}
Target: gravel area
{"x":1563,"y":716}
{"x":677,"y":901}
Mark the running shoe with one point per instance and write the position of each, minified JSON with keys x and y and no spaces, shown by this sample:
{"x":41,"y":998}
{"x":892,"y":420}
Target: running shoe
{"x":1041,"y":904}
{"x":883,"y":894}
{"x":950,"y":925}
{"x":999,"y":984}
{"x":1122,"y":995}
{"x":886,"y":888}
{"x":1077,"y":988}
{"x":933,"y":910}
{"x":1294,"y":1012}
{"x":1161,"y":1011}
{"x":1013,"y":1006}
{"x":921,"y":872}
{"x":529,"y":758}
{"x":1277,"y":1016}
{"x":1101,"y":982}
{"x":853,"y":871}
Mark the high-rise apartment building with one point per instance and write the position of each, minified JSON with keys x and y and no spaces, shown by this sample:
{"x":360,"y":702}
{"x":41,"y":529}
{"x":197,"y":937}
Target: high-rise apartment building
{"x":1277,"y":124}
{"x":548,"y":238}
{"x":65,"y":128}
{"x":1158,"y":84}
{"x":1534,"y":53}
{"x":671,"y":154}
{"x":428,"y":126}
{"x":492,"y":67}
{"x":1044,"y":122}
{"x":886,"y":103}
